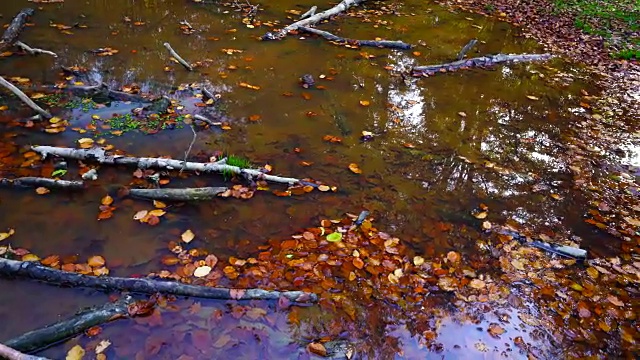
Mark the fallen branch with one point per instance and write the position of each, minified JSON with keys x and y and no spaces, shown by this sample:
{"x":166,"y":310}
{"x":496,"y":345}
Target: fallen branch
{"x":15,"y":28}
{"x":188,"y":194}
{"x":206,"y":120}
{"x":39,"y":181}
{"x":177,"y":57}
{"x":466,"y":48}
{"x":12,"y":354}
{"x":104,"y":90}
{"x":25,"y":99}
{"x":477,"y":62}
{"x":566,"y":251}
{"x":34,"y":51}
{"x":100,"y":156}
{"x":312,"y":20}
{"x":49,"y":275}
{"x":310,"y":12}
{"x":346,"y":41}
{"x":49,"y":335}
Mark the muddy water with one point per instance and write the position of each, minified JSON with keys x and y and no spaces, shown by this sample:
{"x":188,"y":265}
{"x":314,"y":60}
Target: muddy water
{"x":442,"y":146}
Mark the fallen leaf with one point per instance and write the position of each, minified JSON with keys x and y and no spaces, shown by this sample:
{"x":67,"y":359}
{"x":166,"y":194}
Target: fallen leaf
{"x":159,"y":204}
{"x":75,"y":353}
{"x":495,"y":330}
{"x":102,"y":346}
{"x":477,"y":284}
{"x":334,"y":237}
{"x":188,"y":236}
{"x":96,"y":261}
{"x":222,"y":341}
{"x":364,"y":103}
{"x":107,"y":200}
{"x":531,"y":97}
{"x":140,"y":215}
{"x":202,"y":271}
{"x":354,"y":168}
{"x":615,"y":301}
{"x":42,"y":190}
{"x":5,"y":235}
{"x":517,"y":264}
{"x":418,"y":260}
{"x":317,"y":348}
{"x":157,"y":212}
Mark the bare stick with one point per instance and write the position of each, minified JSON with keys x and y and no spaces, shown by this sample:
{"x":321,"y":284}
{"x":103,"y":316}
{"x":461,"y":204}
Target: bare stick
{"x":100,"y":156}
{"x":177,"y":57}
{"x":477,"y":62}
{"x":24,"y":98}
{"x":466,"y":49}
{"x":39,"y":181}
{"x":188,"y":194}
{"x":346,"y":41}
{"x":206,"y":120}
{"x":54,"y":333}
{"x":15,"y":28}
{"x":311,"y":20}
{"x":34,"y":51}
{"x":311,"y":12}
{"x":193,"y":141}
{"x":12,"y":354}
{"x":49,"y":275}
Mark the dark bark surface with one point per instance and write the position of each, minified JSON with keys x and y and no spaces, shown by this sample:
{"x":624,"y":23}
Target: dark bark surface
{"x":15,"y":28}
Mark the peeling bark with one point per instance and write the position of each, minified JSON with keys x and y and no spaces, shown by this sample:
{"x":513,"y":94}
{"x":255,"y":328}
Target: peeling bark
{"x":49,"y":275}
{"x":346,"y":41}
{"x":100,"y":156}
{"x":40,"y":339}
{"x":46,"y":182}
{"x":188,"y":194}
{"x":311,"y":20}
{"x":477,"y":62}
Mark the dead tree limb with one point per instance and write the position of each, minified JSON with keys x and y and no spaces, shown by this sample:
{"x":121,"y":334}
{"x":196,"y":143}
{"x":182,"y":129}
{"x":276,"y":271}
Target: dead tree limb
{"x":483,"y":61}
{"x":25,"y":99}
{"x":104,"y":90}
{"x":206,"y":120}
{"x":177,"y":57}
{"x":312,"y":20}
{"x":49,"y":275}
{"x":15,"y":28}
{"x":465,"y":49}
{"x":39,"y":181}
{"x":346,"y":41}
{"x":34,"y":51}
{"x":187,"y":194}
{"x":309,"y":12}
{"x":49,"y":335}
{"x":100,"y":156}
{"x":13,"y":354}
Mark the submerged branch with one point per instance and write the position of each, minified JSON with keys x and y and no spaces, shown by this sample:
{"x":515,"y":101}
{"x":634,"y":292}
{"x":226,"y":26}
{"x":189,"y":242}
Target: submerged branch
{"x":34,"y":51}
{"x":346,"y":41}
{"x":188,"y":194}
{"x":477,"y":62}
{"x":25,"y":99}
{"x":312,"y":20}
{"x":466,"y":48}
{"x":39,"y":181}
{"x":15,"y":28}
{"x":13,"y":354}
{"x":49,"y":275}
{"x":178,"y":57}
{"x":49,"y":335}
{"x":104,"y":90}
{"x":100,"y":156}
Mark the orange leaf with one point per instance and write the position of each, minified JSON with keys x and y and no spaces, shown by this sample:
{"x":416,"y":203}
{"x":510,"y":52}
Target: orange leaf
{"x":107,"y":200}
{"x":354,"y":168}
{"x":42,"y":190}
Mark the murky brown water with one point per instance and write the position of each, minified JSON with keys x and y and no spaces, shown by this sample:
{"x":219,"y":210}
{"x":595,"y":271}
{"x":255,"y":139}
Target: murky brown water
{"x":408,"y":190}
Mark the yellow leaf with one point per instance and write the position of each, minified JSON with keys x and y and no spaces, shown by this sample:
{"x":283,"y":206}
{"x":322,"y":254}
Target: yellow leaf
{"x":157,"y":212}
{"x":7,"y":234}
{"x":55,"y":120}
{"x":30,"y":257}
{"x":76,"y":353}
{"x":418,"y":260}
{"x":364,"y":103}
{"x":188,"y":236}
{"x":107,"y":200}
{"x":354,"y":168}
{"x":531,"y":97}
{"x":4,"y":107}
{"x":481,"y":215}
{"x":159,"y":204}
{"x":95,"y":117}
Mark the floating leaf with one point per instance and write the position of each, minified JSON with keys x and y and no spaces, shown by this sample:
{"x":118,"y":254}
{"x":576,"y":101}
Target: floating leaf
{"x":102,"y":346}
{"x":477,"y":284}
{"x":107,"y":200}
{"x":96,"y":261}
{"x":481,"y":215}
{"x":5,"y":235}
{"x":188,"y":236}
{"x":140,"y":215}
{"x":202,"y":271}
{"x":42,"y":190}
{"x":418,"y":260}
{"x":364,"y":103}
{"x":157,"y":212}
{"x":531,"y":97}
{"x":75,"y":353}
{"x":334,"y":237}
{"x":354,"y":168}
{"x":159,"y":204}
{"x":495,"y":330}
{"x":317,"y":348}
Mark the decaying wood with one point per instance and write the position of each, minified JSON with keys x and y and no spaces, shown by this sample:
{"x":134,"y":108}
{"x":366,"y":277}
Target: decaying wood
{"x":49,"y":275}
{"x":311,"y":20}
{"x":34,"y":51}
{"x":13,"y":354}
{"x":25,"y":99}
{"x":178,"y":57}
{"x":40,"y":181}
{"x":104,"y":90}
{"x":39,"y":339}
{"x":482,"y":61}
{"x":465,"y":49}
{"x":15,"y":28}
{"x":100,"y":156}
{"x":344,"y":41}
{"x":187,"y":194}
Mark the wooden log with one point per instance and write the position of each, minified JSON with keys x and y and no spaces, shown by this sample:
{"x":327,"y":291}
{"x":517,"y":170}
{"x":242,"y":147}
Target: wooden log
{"x":312,"y":20}
{"x":100,"y":156}
{"x":178,"y":57}
{"x":34,"y":51}
{"x":13,"y":354}
{"x":49,"y":275}
{"x":40,"y":339}
{"x":46,"y":182}
{"x":346,"y":41}
{"x":482,"y":61}
{"x":15,"y":28}
{"x":187,"y":194}
{"x":25,"y":99}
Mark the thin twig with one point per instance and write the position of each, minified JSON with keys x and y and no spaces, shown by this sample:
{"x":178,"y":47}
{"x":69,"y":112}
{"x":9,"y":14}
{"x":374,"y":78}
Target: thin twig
{"x":186,"y":153}
{"x":178,"y":57}
{"x":34,"y":51}
{"x":22,"y":96}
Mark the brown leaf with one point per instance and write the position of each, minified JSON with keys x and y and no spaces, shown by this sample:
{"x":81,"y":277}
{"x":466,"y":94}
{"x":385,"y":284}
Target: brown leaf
{"x":495,"y":330}
{"x":317,"y":348}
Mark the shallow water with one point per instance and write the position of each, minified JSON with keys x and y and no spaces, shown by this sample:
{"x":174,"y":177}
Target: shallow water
{"x":410,"y":191}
